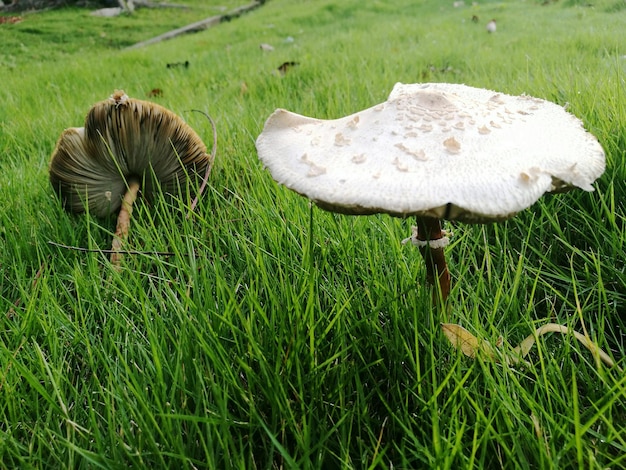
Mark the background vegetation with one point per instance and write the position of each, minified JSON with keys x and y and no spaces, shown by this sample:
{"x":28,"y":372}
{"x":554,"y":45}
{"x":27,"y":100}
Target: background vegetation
{"x":279,"y":335}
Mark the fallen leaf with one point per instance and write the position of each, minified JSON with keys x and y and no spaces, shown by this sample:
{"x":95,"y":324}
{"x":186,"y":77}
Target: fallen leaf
{"x":462,"y":339}
{"x":470,"y":345}
{"x":285,"y":66}
{"x":11,"y":19}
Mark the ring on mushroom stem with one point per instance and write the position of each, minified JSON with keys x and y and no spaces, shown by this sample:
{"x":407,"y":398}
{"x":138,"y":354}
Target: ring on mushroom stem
{"x":429,"y":233}
{"x":126,"y":145}
{"x":431,"y":241}
{"x":434,"y":151}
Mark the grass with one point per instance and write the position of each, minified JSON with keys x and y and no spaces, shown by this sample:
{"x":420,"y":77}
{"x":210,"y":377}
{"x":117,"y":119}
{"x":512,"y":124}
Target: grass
{"x":279,"y":335}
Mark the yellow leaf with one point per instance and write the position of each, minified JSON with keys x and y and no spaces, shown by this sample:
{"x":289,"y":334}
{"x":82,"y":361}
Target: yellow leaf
{"x":462,"y":339}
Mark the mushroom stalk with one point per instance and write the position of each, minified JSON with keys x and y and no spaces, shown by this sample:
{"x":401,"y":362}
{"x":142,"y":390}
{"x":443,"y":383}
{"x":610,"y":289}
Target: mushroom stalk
{"x":437,"y":274}
{"x":123,"y":221}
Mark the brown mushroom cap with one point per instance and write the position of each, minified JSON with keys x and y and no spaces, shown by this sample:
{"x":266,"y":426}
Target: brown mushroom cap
{"x":438,"y":150}
{"x":124,"y":139}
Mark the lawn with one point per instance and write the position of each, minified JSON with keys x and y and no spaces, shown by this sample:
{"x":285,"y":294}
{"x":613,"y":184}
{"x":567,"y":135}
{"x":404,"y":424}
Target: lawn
{"x":259,"y":331}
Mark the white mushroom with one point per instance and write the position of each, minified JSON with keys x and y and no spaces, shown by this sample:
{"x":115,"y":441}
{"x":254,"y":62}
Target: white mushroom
{"x":435,"y":151}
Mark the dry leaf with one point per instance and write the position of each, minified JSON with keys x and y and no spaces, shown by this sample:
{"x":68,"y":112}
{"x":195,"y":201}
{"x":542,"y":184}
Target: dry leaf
{"x":462,"y":339}
{"x":470,"y":345}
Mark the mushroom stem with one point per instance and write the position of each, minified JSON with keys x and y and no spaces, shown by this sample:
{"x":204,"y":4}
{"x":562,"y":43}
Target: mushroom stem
{"x":437,"y":274}
{"x":123,"y":221}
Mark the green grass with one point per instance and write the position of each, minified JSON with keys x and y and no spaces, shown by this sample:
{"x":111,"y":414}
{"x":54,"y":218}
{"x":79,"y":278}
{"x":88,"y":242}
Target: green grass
{"x":278,"y":335}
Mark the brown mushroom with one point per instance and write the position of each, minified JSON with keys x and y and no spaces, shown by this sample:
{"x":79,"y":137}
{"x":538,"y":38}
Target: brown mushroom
{"x":126,"y":145}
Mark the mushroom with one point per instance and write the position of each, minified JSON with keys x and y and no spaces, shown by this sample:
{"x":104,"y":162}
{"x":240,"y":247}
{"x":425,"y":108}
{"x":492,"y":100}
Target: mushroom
{"x":126,"y":145}
{"x":434,"y":151}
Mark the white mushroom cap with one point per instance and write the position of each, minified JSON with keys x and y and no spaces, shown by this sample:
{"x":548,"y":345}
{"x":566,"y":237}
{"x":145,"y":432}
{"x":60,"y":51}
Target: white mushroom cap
{"x":436,"y":149}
